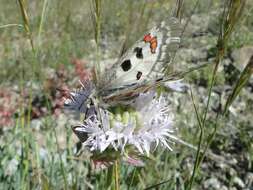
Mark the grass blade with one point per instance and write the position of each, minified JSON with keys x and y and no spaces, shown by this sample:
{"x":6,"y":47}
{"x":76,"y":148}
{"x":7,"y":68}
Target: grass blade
{"x":43,"y":15}
{"x":244,"y":77}
{"x":201,"y":134}
{"x":178,"y":13}
{"x":157,"y":185}
{"x":26,"y":22}
{"x":96,"y":18}
{"x":11,"y":25}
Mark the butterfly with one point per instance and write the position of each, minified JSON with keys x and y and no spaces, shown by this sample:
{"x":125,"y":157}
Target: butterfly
{"x":143,"y":66}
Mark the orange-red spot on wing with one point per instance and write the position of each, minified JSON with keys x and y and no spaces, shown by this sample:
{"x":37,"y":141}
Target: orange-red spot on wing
{"x":147,"y":38}
{"x":153,"y":44}
{"x":152,"y":40}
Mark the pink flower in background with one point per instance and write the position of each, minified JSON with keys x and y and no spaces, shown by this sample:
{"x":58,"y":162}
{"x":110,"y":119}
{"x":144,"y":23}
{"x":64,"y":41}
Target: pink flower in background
{"x":81,"y":71}
{"x":7,"y":107}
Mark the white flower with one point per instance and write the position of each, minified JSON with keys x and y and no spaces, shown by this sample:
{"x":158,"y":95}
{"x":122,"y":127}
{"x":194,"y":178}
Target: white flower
{"x":145,"y":128}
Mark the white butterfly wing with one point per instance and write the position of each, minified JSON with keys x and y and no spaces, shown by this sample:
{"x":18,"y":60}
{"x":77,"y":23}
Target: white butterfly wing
{"x":147,"y":60}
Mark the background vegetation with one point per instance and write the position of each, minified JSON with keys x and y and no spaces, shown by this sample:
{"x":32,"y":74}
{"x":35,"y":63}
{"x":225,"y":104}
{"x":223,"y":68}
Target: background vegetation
{"x":54,"y":45}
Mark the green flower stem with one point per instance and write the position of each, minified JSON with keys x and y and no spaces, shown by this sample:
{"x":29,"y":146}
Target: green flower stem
{"x":116,"y":174}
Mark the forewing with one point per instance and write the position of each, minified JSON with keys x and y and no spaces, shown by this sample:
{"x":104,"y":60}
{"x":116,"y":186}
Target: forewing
{"x":147,"y":60}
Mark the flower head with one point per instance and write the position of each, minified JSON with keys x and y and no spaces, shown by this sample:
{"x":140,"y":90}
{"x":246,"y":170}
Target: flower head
{"x":130,"y":130}
{"x":143,"y":128}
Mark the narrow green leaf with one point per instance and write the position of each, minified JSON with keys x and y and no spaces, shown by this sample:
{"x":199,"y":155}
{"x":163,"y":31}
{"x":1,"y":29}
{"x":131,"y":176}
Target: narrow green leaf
{"x":45,"y":183}
{"x":157,"y":185}
{"x":42,"y":20}
{"x":26,"y":22}
{"x":109,"y":176}
{"x":245,"y":76}
{"x":178,"y":13}
{"x":11,"y":25}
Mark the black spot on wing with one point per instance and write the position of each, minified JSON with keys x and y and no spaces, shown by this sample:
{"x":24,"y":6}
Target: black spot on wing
{"x":126,"y":65}
{"x":138,"y":76}
{"x":138,"y":51}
